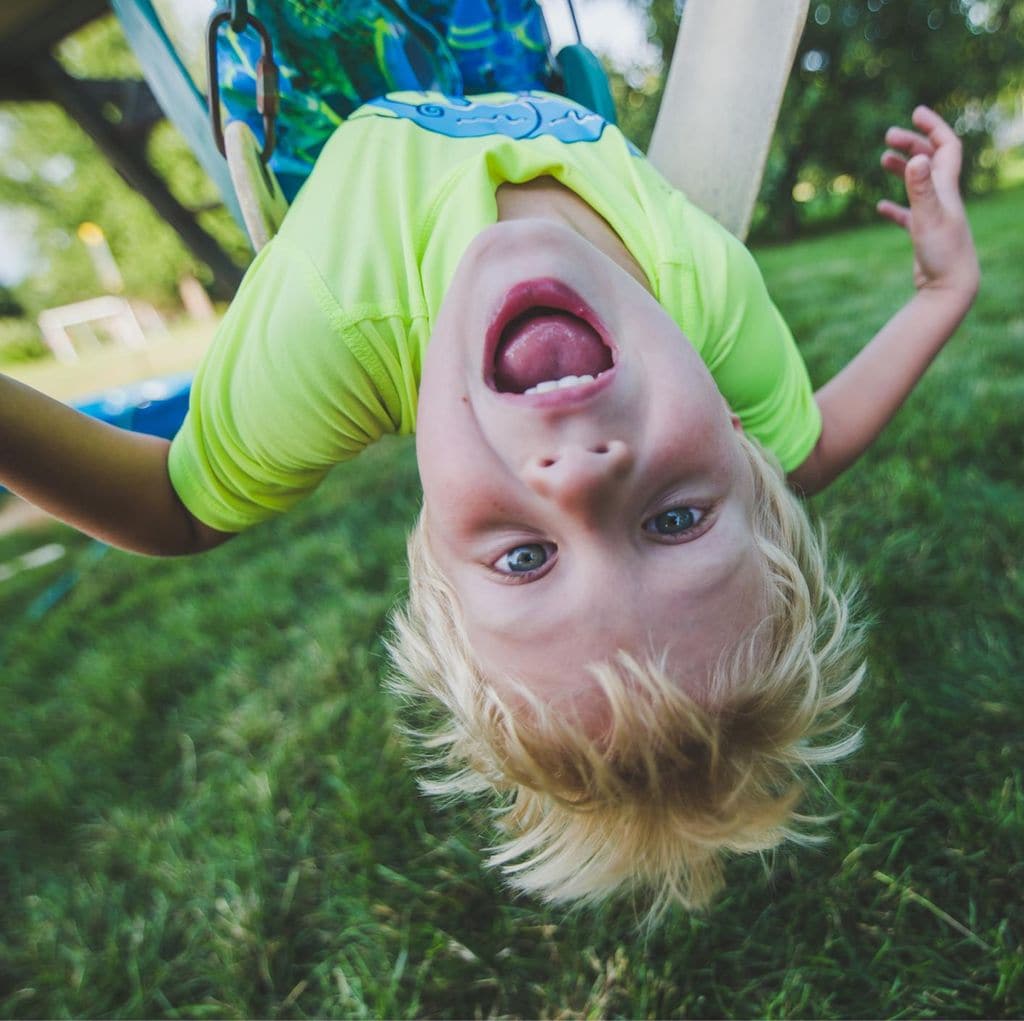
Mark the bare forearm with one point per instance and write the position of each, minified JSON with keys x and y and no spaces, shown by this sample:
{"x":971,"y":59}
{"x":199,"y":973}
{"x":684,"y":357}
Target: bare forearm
{"x":108,"y":482}
{"x":861,"y":399}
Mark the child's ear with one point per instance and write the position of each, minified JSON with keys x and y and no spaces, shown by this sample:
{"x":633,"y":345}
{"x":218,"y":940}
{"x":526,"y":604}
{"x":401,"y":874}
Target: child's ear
{"x":734,"y":419}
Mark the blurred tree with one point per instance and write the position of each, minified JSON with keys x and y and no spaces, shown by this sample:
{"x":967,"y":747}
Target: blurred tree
{"x":53,"y":176}
{"x":51,"y":169}
{"x":637,"y":99}
{"x":10,"y":307}
{"x":861,"y":66}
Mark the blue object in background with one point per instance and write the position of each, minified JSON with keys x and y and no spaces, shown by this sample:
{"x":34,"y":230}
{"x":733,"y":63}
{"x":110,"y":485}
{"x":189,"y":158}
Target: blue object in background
{"x":155,"y":406}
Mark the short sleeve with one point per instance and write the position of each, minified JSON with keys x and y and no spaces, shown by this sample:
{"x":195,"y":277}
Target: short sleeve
{"x":278,"y":400}
{"x":751,"y":353}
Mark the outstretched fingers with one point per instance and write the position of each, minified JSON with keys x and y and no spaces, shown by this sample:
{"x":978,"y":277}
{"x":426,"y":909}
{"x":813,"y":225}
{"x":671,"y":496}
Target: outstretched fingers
{"x":939,"y":133}
{"x":948,"y":151}
{"x":904,"y":145}
{"x":910,"y":142}
{"x":928,"y":160}
{"x":900,"y":215}
{"x":895,"y":163}
{"x":925,"y":205}
{"x":933,"y":138}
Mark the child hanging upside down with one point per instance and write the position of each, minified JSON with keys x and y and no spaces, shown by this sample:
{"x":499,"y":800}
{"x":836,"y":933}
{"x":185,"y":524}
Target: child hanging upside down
{"x":617,"y":604}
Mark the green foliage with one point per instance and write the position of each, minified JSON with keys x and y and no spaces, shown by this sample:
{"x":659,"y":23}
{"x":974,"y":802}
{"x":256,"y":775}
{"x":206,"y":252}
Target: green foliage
{"x":20,"y":341}
{"x":65,"y":181}
{"x":99,"y":50}
{"x":205,"y":811}
{"x":638,"y":96}
{"x":862,"y":65}
{"x":51,"y":171}
{"x":865,"y":64}
{"x":10,"y":307}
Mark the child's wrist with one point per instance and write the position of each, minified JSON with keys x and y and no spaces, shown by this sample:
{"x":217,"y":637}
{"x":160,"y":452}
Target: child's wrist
{"x":952,"y":300}
{"x":957,"y":289}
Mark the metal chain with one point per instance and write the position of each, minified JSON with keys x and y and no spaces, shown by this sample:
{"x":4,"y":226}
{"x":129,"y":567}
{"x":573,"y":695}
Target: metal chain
{"x":239,"y":15}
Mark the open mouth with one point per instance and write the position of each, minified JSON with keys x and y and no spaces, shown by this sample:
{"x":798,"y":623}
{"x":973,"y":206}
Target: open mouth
{"x":544,"y":339}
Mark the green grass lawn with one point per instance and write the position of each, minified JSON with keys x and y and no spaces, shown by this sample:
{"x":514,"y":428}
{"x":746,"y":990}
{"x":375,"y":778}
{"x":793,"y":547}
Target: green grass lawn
{"x":205,"y":809}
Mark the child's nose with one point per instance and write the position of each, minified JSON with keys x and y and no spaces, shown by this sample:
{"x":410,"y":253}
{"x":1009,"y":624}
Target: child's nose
{"x":579,"y":477}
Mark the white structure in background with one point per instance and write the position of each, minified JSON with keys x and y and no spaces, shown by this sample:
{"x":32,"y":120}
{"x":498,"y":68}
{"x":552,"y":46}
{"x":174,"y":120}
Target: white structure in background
{"x":120,"y":319}
{"x":115,"y":315}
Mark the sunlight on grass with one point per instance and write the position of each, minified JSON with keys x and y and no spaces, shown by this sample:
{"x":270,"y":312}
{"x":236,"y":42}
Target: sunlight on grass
{"x":178,"y":351}
{"x":207,"y":811}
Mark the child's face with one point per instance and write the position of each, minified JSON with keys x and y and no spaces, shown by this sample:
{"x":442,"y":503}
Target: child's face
{"x":575,"y":523}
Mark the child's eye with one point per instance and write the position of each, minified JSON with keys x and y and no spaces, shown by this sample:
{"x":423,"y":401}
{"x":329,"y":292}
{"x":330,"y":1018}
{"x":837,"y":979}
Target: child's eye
{"x":675,"y":521}
{"x":524,"y":561}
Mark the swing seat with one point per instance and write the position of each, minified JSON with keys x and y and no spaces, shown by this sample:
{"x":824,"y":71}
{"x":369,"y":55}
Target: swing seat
{"x":585,"y":81}
{"x":331,"y":59}
{"x":262,"y":201}
{"x":711,"y":138}
{"x":724,"y":88}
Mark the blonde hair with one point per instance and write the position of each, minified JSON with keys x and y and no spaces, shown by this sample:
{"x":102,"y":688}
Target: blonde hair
{"x":671,"y":787}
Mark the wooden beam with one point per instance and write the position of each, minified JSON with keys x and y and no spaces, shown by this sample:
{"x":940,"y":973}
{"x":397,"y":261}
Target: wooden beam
{"x":722,"y":96}
{"x":127,"y":155}
{"x":137,"y":105}
{"x":31,"y":28}
{"x":15,"y":87}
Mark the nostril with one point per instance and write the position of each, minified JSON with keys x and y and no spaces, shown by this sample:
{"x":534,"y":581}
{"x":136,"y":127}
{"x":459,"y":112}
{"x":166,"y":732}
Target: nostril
{"x":546,"y":462}
{"x":601,"y":448}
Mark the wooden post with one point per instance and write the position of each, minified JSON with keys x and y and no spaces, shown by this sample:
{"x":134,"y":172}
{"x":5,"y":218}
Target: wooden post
{"x":722,"y":96}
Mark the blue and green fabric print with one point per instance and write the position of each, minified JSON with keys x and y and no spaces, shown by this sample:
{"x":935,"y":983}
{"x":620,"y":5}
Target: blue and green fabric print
{"x":525,"y":115}
{"x":334,"y":57}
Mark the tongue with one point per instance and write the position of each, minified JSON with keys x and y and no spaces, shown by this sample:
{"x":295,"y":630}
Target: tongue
{"x":548,"y":345}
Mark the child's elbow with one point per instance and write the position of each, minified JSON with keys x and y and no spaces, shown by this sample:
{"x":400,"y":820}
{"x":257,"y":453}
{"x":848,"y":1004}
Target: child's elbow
{"x":202,"y":537}
{"x":812,"y":475}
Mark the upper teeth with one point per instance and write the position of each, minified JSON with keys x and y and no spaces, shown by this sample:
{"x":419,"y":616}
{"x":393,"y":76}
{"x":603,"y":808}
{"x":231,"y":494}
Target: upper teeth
{"x":558,"y":384}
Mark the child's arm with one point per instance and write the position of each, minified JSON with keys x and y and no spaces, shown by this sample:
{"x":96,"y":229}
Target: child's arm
{"x":858,"y":402}
{"x":108,"y":482}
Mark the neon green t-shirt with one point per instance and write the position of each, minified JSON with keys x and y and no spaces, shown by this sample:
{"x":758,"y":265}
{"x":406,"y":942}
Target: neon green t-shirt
{"x":321,"y":350}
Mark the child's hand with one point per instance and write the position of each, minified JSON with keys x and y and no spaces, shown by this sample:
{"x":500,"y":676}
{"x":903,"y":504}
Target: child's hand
{"x":929,"y":163}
